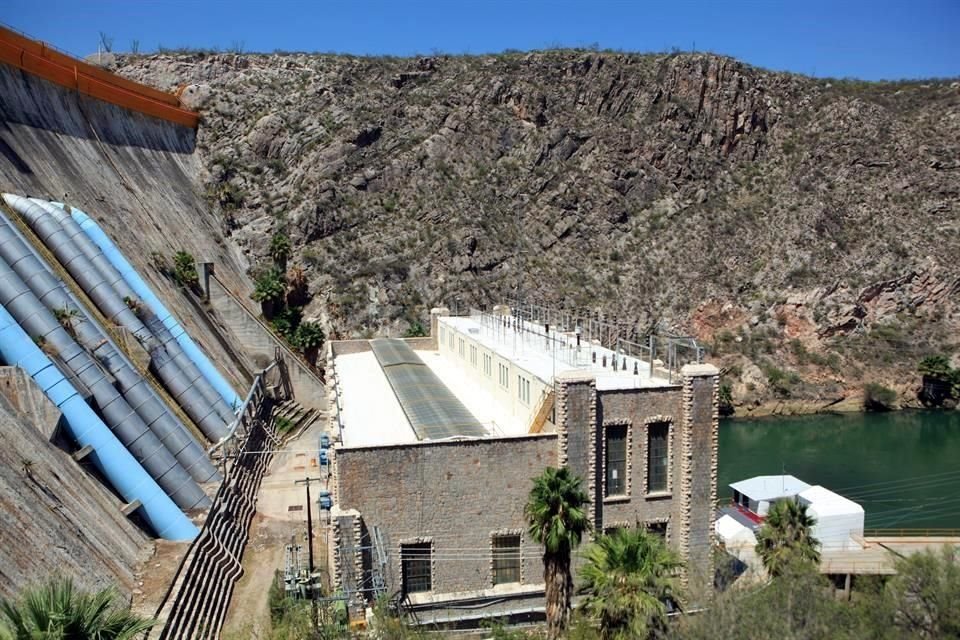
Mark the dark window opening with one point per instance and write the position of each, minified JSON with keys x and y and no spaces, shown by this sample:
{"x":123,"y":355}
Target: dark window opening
{"x":658,"y":434}
{"x":658,"y":529}
{"x":416,"y":563}
{"x":616,"y":447}
{"x":506,"y":559}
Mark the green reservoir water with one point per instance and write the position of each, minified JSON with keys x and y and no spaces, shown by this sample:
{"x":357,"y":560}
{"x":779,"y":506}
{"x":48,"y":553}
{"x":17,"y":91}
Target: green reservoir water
{"x":903,"y":467}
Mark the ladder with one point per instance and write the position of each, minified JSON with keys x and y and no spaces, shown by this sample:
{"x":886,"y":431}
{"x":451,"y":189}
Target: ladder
{"x":546,"y":406}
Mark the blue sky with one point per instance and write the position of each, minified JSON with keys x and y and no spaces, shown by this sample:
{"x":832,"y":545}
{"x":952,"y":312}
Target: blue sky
{"x":882,"y":39}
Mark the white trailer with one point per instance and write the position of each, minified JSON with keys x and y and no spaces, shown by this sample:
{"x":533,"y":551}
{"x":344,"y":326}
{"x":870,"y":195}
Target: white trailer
{"x":839,"y":520}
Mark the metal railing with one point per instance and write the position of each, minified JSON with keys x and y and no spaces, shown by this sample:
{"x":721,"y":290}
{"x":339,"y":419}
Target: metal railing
{"x":570,"y":339}
{"x":913,"y":532}
{"x":248,"y":411}
{"x":196,"y":601}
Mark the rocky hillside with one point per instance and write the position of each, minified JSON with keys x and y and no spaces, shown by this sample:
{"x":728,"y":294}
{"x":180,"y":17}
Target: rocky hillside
{"x":807,"y":230}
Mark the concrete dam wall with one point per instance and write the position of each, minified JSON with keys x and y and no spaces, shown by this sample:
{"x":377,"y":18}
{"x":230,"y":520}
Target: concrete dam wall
{"x":135,"y":175}
{"x":56,"y":516}
{"x":99,"y":339}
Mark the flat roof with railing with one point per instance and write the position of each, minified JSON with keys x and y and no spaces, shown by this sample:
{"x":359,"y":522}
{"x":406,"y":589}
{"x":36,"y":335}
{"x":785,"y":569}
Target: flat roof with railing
{"x":548,"y":353}
{"x":371,"y":412}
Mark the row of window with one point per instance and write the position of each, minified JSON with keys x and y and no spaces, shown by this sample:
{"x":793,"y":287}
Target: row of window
{"x":416,"y":563}
{"x":523,"y":389}
{"x":416,"y":559}
{"x":616,"y":452}
{"x":504,"y":372}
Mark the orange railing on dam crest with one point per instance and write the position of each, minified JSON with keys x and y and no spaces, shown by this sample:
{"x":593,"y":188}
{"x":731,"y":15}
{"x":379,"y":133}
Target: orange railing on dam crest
{"x":45,"y":62}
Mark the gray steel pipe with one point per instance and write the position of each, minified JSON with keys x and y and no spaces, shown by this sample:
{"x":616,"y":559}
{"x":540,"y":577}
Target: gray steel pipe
{"x":52,"y":234}
{"x":106,"y":269}
{"x":129,"y":428}
{"x":36,"y":274}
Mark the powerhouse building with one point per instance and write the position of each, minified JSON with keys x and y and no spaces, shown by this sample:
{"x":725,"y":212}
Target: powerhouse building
{"x":439,"y":439}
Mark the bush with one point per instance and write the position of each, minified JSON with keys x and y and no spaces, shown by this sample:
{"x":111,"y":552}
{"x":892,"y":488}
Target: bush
{"x":940,"y":381}
{"x":185,"y":271}
{"x":781,"y":381}
{"x":66,"y":317}
{"x":269,"y":287}
{"x":877,"y":397}
{"x":726,"y":400}
{"x":416,"y":330}
{"x":283,"y":425}
{"x":308,"y":336}
{"x":286,"y":322}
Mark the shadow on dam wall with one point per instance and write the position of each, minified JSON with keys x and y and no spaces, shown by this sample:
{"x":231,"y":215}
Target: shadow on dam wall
{"x":137,"y":176}
{"x":25,"y":100}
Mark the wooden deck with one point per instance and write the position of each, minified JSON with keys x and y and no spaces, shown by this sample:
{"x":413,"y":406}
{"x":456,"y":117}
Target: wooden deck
{"x":875,"y":555}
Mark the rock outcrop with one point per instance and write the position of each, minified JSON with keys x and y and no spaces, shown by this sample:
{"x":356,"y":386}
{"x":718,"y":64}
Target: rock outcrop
{"x":821,"y":215}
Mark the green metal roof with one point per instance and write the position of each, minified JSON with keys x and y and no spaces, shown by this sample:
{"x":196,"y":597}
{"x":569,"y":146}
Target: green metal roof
{"x":432,"y":409}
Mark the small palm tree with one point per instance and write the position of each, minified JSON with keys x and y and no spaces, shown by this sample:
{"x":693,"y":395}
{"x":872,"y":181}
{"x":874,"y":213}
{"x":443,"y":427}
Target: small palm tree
{"x":309,"y":338}
{"x":555,"y":511}
{"x":936,"y":367}
{"x":627,"y":578}
{"x":270,"y":288}
{"x":785,"y":539}
{"x":299,"y":289}
{"x":280,"y":249}
{"x":57,"y":611}
{"x":66,"y":317}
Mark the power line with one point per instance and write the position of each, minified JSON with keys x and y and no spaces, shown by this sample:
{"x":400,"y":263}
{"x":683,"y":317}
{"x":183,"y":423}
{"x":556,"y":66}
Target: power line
{"x":898,"y":481}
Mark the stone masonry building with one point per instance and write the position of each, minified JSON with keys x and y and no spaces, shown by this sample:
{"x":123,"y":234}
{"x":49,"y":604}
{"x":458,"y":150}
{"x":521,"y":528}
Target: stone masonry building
{"x":440,"y":437}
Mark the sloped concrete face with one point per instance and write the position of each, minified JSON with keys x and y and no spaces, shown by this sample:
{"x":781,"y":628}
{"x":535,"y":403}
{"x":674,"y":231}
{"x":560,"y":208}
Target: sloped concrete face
{"x":259,"y":344}
{"x":137,"y":176}
{"x":25,"y":397}
{"x":57,"y":518}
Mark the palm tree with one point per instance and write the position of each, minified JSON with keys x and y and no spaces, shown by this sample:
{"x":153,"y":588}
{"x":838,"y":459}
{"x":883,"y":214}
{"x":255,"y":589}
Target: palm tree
{"x":627,"y":577}
{"x":57,"y":611}
{"x":555,"y":510}
{"x":280,"y":249}
{"x":785,"y":540}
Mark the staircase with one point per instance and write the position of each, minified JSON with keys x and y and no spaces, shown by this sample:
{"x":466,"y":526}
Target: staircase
{"x":543,"y":413}
{"x":299,"y":417}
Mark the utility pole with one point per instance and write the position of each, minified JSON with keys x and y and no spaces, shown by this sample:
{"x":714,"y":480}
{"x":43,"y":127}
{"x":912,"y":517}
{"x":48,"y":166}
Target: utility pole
{"x":313,"y":596}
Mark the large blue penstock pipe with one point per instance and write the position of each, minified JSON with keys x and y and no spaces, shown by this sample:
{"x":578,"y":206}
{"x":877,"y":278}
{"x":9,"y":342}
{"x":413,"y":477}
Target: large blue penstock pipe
{"x":143,"y":291}
{"x":111,"y":458}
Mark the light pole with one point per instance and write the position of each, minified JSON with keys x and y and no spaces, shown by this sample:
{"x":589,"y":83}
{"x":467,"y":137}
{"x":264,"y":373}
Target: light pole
{"x":313,"y":596}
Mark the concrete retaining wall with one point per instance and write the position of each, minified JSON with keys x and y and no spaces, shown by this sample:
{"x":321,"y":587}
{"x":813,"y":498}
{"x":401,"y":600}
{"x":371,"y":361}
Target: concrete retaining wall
{"x":258,"y":344}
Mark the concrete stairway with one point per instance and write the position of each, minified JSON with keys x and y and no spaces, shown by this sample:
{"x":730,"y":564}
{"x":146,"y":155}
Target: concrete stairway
{"x":296,"y":415}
